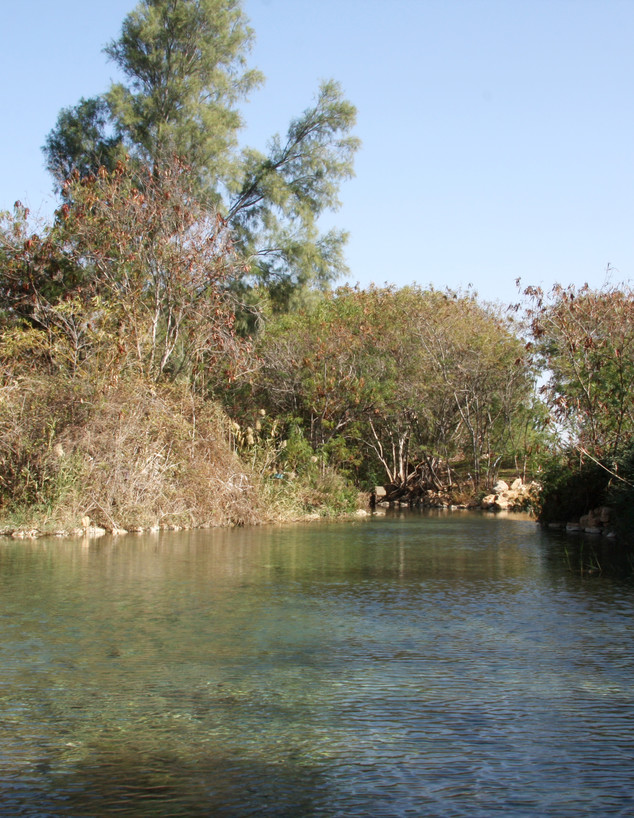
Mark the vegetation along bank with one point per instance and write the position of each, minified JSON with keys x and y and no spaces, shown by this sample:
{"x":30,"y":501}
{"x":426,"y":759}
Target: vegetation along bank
{"x":173,"y":350}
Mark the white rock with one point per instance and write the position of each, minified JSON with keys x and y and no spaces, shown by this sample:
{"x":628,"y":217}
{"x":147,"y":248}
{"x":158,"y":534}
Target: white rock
{"x":94,"y":531}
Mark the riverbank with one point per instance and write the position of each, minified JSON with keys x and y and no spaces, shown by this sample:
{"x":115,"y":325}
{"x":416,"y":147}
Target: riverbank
{"x":304,"y":498}
{"x":92,"y":531}
{"x":518,"y":496}
{"x":87,"y":456}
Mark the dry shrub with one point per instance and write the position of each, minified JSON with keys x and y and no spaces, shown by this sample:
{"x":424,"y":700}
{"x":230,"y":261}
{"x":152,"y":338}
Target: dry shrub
{"x":163,"y":456}
{"x":34,"y":478}
{"x":130,"y":455}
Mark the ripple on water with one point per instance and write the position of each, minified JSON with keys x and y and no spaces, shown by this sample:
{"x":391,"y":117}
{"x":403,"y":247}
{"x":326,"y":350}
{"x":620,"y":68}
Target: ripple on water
{"x":433,"y":666}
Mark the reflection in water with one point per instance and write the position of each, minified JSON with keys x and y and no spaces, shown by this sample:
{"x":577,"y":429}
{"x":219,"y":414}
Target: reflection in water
{"x":427,"y":664}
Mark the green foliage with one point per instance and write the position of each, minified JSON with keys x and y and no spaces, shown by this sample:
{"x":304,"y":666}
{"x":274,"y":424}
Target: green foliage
{"x":571,"y":486}
{"x":532,"y":438}
{"x":328,"y":493}
{"x":283,"y":193}
{"x":586,"y":341}
{"x":80,"y":142}
{"x":184,"y":63}
{"x":389,"y":378}
{"x":295,"y":479}
{"x":620,"y":495}
{"x":296,"y":454}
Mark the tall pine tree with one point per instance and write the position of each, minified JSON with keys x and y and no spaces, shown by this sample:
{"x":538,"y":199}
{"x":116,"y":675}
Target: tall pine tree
{"x":184,"y":64}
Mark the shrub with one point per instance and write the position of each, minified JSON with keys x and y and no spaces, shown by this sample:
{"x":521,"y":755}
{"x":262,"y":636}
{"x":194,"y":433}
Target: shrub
{"x":131,"y":455}
{"x":571,"y":486}
{"x":620,"y":495}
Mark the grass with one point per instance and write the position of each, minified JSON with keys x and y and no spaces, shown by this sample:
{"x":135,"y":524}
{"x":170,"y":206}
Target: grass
{"x":136,"y":455}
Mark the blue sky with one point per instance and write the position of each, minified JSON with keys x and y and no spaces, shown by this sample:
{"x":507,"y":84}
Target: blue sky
{"x":498,"y":135}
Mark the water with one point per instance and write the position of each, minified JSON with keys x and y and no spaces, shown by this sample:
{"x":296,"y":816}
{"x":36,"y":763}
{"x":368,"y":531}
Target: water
{"x":435,"y":665}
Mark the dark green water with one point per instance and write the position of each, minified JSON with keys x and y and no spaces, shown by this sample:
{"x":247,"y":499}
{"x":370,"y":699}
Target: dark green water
{"x":426,"y":665}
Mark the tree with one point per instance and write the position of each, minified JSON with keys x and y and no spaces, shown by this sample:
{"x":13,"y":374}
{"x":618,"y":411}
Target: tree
{"x":184,"y":64}
{"x":482,"y":372}
{"x":139,"y":270}
{"x":585,"y":339}
{"x":283,"y":193}
{"x":81,"y":141}
{"x":412,"y":380}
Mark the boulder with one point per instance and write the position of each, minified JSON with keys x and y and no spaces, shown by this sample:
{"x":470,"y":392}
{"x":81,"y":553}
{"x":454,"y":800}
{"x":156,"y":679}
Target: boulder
{"x":93,"y":531}
{"x":26,"y":534}
{"x":589,"y":520}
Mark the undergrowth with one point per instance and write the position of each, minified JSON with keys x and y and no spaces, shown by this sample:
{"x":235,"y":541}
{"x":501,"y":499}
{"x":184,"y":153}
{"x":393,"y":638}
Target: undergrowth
{"x":135,"y":454}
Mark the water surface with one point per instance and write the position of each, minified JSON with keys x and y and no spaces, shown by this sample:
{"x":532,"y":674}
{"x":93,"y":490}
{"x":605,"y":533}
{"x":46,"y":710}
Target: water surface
{"x":425,"y":664}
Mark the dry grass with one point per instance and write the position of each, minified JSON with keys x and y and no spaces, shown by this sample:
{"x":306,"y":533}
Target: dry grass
{"x":126,"y":456}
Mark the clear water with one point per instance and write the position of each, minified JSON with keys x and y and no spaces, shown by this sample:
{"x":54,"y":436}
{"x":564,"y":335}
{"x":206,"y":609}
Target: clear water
{"x":434,"y":665}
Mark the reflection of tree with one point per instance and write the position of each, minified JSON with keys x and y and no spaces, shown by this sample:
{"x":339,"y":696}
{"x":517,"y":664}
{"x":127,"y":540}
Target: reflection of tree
{"x":154,"y":779}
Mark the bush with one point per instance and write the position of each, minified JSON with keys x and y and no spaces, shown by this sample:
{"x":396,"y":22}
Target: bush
{"x":571,"y":487}
{"x":620,"y":495}
{"x":134,"y":454}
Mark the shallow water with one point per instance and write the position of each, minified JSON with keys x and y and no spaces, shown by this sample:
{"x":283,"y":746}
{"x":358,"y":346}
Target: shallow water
{"x":424,"y":664}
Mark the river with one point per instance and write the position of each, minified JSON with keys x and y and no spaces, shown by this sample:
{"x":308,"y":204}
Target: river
{"x":439,"y":664}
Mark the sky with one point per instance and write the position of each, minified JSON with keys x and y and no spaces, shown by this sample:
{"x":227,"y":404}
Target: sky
{"x":497,"y":135}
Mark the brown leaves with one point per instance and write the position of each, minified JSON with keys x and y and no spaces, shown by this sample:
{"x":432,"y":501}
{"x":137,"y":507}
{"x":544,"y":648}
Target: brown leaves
{"x":586,"y":338}
{"x":139,"y":241}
